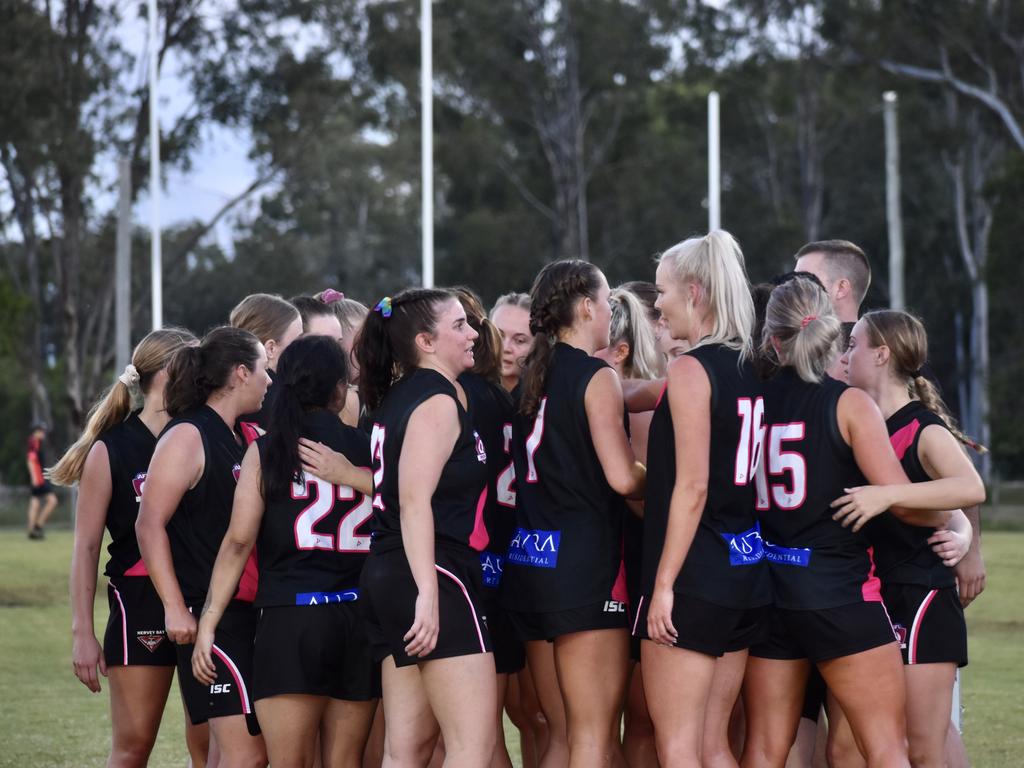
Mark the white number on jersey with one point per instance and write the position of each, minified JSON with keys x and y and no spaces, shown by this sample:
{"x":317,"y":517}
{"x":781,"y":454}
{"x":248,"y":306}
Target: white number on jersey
{"x":323,"y":502}
{"x":792,"y":492}
{"x":377,"y":455}
{"x":506,"y":490}
{"x":533,"y":441}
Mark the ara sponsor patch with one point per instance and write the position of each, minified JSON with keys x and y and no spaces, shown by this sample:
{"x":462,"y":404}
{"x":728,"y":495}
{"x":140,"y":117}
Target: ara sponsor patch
{"x":536,"y":548}
{"x":492,"y":566}
{"x":745,"y":548}
{"x":798,"y":556}
{"x":150,"y":639}
{"x":325,"y":598}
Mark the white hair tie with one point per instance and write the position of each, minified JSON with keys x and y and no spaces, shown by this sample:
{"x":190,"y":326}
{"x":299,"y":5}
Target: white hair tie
{"x":130,"y":377}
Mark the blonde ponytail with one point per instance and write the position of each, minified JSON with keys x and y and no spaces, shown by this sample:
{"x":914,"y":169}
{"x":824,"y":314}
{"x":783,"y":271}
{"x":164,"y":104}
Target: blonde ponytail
{"x":715,"y":262}
{"x":629,"y":325}
{"x":802,"y":323}
{"x":150,"y":356}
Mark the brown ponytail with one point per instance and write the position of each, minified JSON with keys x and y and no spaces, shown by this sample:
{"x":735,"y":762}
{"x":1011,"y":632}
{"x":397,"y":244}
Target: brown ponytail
{"x":487,"y":347}
{"x":150,"y":356}
{"x":907,"y":341}
{"x":553,"y":298}
{"x":194,"y":373}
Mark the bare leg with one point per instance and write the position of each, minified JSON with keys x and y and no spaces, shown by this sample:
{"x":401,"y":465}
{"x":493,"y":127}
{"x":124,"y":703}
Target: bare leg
{"x":540,"y":656}
{"x":137,"y":698}
{"x":33,"y":513}
{"x":725,"y":689}
{"x":463,"y":695}
{"x":344,"y":728}
{"x":373,"y":755}
{"x":501,"y":757}
{"x":870,"y":688}
{"x":49,"y":505}
{"x":677,"y":683}
{"x":929,"y":699}
{"x":773,"y":694}
{"x":956,"y":753}
{"x":238,"y":748}
{"x":411,"y":728}
{"x":290,"y":724}
{"x":202,"y":752}
{"x":638,"y":739}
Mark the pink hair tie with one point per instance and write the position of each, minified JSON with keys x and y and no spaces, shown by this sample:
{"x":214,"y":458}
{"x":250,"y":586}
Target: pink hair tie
{"x":807,"y":320}
{"x":329,"y":296}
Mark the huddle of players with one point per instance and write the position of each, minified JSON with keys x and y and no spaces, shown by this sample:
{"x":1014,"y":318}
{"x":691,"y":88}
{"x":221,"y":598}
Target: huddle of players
{"x":771,"y":503}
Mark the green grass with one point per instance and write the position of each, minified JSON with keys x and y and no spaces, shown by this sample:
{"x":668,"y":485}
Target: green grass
{"x":49,"y":719}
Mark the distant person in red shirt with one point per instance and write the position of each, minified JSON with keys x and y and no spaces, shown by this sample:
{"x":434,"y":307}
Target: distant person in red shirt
{"x":43,"y":500}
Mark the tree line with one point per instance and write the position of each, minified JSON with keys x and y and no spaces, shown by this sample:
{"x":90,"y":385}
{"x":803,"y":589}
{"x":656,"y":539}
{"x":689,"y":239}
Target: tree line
{"x":562,"y":128}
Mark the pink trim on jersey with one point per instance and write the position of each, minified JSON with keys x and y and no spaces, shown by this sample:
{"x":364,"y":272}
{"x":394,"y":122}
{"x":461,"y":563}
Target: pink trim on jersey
{"x":250,"y":580}
{"x":472,"y":608}
{"x":915,"y":628}
{"x":243,"y":692}
{"x":479,"y":538}
{"x":664,"y":389}
{"x":903,"y":438}
{"x":139,"y":569}
{"x":636,"y":621}
{"x":124,"y":624}
{"x":619,"y":592}
{"x":871,"y":589}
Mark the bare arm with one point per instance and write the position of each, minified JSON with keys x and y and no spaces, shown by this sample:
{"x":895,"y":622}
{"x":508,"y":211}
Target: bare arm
{"x":970,"y":572}
{"x":689,"y":397}
{"x":641,"y":394}
{"x":177,"y":465}
{"x":94,"y":490}
{"x":603,"y":403}
{"x":334,"y":467}
{"x":639,"y":429}
{"x":246,"y":516}
{"x":863,"y":427}
{"x":430,"y":437}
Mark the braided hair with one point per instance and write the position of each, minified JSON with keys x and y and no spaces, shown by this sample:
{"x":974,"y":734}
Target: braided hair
{"x":558,"y":289}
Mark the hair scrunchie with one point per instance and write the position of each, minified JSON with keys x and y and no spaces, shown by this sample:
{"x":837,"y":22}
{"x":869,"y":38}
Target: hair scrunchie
{"x":130,"y":377}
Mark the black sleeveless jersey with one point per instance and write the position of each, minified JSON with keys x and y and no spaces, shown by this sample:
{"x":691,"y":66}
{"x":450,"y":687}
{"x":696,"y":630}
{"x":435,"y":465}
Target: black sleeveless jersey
{"x":129,"y":446}
{"x":814,"y":562}
{"x":312,"y":545}
{"x":491,"y":409}
{"x":566,"y":551}
{"x":902,"y":552}
{"x":725,"y":563}
{"x":202,"y":517}
{"x":252,"y":425}
{"x":458,"y":500}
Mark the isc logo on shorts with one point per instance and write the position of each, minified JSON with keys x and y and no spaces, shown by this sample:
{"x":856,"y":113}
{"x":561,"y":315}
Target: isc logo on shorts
{"x":614,"y":606}
{"x":220,"y":688}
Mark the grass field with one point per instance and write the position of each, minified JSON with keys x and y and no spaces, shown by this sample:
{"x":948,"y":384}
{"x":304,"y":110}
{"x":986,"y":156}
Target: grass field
{"x":49,"y":719}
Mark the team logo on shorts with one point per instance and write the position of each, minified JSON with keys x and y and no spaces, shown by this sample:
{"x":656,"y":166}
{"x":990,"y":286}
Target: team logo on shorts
{"x":236,"y":471}
{"x":138,"y":483}
{"x":481,"y":452}
{"x":150,"y":639}
{"x":901,"y":634}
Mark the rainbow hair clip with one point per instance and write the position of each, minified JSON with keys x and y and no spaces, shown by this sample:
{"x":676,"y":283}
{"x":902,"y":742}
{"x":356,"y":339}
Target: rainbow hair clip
{"x":384,"y":306}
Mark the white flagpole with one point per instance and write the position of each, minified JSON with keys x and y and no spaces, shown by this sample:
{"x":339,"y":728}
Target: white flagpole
{"x":714,"y":166}
{"x":427,"y":138}
{"x":156,"y":257}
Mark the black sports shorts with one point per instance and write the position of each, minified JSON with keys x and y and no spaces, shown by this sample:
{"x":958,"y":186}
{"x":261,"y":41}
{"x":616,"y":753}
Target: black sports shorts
{"x":318,"y":650}
{"x":45,"y":489}
{"x":706,"y":627}
{"x":231,"y":693}
{"x":388,"y":596}
{"x":509,"y":651}
{"x":135,"y":634}
{"x":826,"y":633}
{"x":548,"y":625}
{"x":928,"y":622}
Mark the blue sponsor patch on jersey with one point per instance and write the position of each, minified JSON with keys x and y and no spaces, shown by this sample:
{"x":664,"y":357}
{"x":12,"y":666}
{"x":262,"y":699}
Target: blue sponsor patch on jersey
{"x":492,"y":565}
{"x":534,"y":548}
{"x":324,"y":598}
{"x":745,"y":548}
{"x":798,"y":556}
